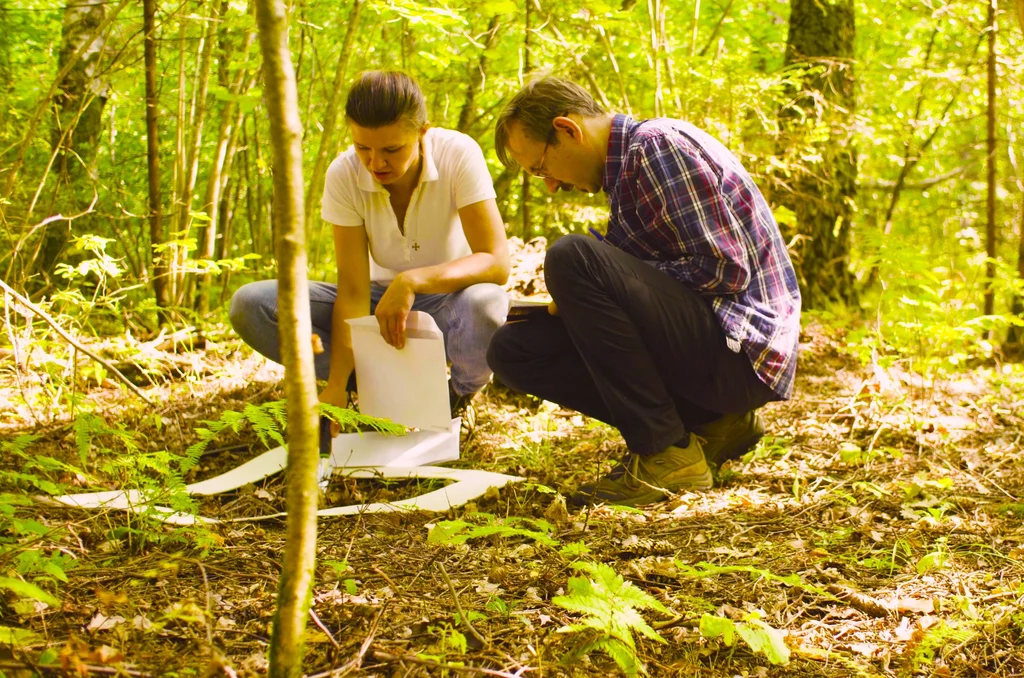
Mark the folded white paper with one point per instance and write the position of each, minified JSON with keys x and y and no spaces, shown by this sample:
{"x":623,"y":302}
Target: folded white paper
{"x":407,"y":385}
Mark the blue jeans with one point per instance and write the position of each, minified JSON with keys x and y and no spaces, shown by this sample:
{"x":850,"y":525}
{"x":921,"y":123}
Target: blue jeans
{"x":468,"y":319}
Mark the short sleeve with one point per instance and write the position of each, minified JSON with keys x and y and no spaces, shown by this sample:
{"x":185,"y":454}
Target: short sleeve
{"x":338,"y":205}
{"x":472,"y":178}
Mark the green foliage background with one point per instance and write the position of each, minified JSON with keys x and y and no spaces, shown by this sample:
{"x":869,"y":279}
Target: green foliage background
{"x":920,"y":72}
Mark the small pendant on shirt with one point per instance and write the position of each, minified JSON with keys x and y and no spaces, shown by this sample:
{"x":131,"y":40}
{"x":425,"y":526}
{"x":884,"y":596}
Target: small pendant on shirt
{"x":415,"y":245}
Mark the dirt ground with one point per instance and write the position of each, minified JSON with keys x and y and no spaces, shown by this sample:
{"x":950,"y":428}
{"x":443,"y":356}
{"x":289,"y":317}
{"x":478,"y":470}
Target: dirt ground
{"x":879,"y":527}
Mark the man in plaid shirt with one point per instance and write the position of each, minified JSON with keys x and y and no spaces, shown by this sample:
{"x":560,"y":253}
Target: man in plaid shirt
{"x":684,"y":320}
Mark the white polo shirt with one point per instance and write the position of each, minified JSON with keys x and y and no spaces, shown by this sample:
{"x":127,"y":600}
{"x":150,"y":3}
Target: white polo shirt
{"x":454,"y":175}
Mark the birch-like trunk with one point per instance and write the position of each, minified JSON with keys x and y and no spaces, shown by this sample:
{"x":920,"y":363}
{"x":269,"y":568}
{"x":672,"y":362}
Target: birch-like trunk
{"x":990,"y":230}
{"x":331,"y":114}
{"x":281,"y":99}
{"x":191,"y":169}
{"x":158,"y":269}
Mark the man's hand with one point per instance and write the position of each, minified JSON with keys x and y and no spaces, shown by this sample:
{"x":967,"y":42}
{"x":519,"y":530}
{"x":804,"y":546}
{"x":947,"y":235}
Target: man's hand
{"x":552,"y":308}
{"x":393,"y":310}
{"x":336,"y":395}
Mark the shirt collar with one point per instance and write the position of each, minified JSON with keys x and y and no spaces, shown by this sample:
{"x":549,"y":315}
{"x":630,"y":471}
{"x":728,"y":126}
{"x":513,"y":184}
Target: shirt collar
{"x":366,"y":182}
{"x":618,"y":141}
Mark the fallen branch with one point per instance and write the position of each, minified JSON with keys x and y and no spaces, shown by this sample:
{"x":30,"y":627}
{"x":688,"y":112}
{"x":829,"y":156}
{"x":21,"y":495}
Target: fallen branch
{"x":67,"y":337}
{"x":458,"y":607}
{"x":57,"y":668}
{"x":357,"y":661}
{"x":859,"y":601}
{"x":387,"y":657}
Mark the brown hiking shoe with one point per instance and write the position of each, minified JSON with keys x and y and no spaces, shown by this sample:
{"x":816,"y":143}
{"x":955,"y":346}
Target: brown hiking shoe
{"x":730,"y":436}
{"x":647,"y":479}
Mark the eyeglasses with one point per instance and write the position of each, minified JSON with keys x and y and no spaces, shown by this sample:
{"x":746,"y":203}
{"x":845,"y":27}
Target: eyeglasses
{"x":539,"y":171}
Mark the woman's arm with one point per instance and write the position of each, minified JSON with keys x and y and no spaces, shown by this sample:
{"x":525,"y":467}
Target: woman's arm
{"x":489,"y":263}
{"x":353,"y":301}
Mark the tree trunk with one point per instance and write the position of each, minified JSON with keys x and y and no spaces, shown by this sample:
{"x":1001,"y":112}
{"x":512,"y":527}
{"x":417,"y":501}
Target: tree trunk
{"x":226,"y":136}
{"x":1016,"y":334}
{"x":158,"y":269}
{"x":610,"y":53}
{"x":821,"y":35}
{"x":477,"y":76}
{"x":6,"y":72}
{"x":990,"y":231}
{"x":79,"y":101}
{"x":331,"y":114}
{"x":281,"y":100}
{"x":524,"y":198}
{"x":191,"y":169}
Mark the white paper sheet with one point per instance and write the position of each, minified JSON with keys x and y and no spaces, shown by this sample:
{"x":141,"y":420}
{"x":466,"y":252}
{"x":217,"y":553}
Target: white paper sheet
{"x":410,"y":385}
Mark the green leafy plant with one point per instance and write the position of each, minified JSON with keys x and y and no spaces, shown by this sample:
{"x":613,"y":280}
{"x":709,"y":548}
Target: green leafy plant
{"x":461,"y":531}
{"x":702,"y":570}
{"x":610,"y":606}
{"x":759,"y":636}
{"x":269,"y":421}
{"x":935,"y":639}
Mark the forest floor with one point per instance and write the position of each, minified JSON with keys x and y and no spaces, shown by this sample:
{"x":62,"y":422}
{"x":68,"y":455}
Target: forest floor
{"x":878,"y":528}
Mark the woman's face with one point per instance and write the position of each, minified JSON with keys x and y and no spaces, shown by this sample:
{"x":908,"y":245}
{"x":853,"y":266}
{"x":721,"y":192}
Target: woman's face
{"x":388,"y":152}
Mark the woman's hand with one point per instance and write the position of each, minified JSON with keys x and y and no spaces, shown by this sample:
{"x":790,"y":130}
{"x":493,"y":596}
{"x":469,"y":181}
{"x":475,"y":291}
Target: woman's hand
{"x":393,"y":310}
{"x":337,"y":395}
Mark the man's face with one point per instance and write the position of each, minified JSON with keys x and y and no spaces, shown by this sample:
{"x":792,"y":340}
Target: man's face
{"x":561,"y":165}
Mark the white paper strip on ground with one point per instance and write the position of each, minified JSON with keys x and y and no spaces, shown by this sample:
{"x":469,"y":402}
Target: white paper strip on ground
{"x":408,"y":386}
{"x":469,"y":484}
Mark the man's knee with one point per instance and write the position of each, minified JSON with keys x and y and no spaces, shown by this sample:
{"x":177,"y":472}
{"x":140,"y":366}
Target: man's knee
{"x":567,"y":259}
{"x":503,"y":354}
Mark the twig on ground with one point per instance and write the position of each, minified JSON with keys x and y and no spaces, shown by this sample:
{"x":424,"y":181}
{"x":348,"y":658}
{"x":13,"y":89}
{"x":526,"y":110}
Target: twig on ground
{"x":56,"y":668}
{"x":320,"y":624}
{"x":357,"y":661}
{"x":386,"y":578}
{"x":67,"y":337}
{"x":387,"y":657}
{"x":458,"y":606}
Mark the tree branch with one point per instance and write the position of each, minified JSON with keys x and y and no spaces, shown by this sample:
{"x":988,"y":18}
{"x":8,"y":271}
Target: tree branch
{"x":67,"y":337}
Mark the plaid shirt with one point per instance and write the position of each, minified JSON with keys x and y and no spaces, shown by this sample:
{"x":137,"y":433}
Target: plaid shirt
{"x":682,"y":202}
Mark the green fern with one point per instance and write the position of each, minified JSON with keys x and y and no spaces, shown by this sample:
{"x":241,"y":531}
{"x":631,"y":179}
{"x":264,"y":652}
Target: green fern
{"x":759,"y":636}
{"x":611,"y":607}
{"x":270,"y":420}
{"x":703,"y":570}
{"x":88,"y":427}
{"x":461,"y":531}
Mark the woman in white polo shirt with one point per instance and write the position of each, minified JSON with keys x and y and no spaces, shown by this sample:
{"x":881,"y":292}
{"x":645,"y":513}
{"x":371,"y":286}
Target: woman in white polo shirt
{"x":416,"y":227}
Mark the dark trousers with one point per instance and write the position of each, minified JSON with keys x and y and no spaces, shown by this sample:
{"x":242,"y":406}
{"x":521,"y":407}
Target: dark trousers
{"x":631,"y":346}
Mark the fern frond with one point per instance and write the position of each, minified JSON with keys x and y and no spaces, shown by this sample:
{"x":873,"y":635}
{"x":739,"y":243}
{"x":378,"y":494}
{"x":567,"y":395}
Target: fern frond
{"x":350,"y":418}
{"x":264,"y":422}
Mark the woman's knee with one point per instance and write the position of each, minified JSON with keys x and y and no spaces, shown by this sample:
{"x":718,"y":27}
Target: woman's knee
{"x":251,"y":301}
{"x":487,"y":306}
